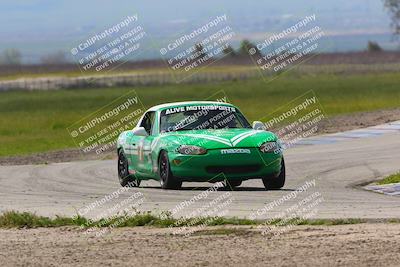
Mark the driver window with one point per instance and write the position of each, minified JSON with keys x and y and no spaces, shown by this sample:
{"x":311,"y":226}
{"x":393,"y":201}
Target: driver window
{"x":148,"y":121}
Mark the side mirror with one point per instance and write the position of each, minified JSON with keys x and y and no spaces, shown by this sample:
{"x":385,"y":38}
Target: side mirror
{"x":258,"y":125}
{"x":139,"y":131}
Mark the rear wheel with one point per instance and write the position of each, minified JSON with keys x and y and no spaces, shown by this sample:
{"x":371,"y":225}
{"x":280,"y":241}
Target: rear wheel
{"x":276,"y":182}
{"x":167,"y":180}
{"x":125,"y":179}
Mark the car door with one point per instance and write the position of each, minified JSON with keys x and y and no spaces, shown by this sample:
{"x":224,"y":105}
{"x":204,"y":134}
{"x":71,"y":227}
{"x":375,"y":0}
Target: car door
{"x":144,"y":159}
{"x":131,"y":149}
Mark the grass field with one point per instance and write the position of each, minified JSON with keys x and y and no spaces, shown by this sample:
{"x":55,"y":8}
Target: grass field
{"x":230,"y":69}
{"x":12,"y":219}
{"x":36,"y":121}
{"x":154,"y":70}
{"x":391,"y":179}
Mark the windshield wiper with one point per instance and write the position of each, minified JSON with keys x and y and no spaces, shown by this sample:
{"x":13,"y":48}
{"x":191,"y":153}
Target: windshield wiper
{"x":181,"y":129}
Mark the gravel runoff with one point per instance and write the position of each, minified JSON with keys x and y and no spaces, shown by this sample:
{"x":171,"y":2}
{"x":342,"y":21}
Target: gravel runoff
{"x":370,"y":244}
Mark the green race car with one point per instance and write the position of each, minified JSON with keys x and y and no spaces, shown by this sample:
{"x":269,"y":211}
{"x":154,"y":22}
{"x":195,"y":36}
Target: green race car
{"x":199,"y":141}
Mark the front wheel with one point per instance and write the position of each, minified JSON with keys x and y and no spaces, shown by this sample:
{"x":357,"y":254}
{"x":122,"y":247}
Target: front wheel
{"x":232,"y":183}
{"x":167,"y":180}
{"x":275,"y":182}
{"x":123,"y":172}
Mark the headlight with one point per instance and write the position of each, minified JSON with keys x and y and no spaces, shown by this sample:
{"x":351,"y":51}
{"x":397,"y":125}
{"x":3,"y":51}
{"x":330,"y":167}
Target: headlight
{"x":191,"y":150}
{"x":270,"y":147}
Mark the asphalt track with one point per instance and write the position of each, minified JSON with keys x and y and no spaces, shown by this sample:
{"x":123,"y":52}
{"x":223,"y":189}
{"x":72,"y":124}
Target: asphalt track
{"x":337,"y":163}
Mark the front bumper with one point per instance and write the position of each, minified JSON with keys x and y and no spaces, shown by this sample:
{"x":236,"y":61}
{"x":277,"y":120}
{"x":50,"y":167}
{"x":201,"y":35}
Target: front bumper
{"x":215,"y":166}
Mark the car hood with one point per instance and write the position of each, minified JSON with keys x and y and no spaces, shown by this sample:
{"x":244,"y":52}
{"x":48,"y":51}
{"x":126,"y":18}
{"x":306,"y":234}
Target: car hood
{"x":221,"y":138}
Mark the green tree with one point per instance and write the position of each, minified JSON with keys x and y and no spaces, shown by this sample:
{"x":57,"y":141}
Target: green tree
{"x":54,"y":58}
{"x":248,"y":48}
{"x":229,"y":51}
{"x":11,"y":56}
{"x":199,"y":49}
{"x":393,"y":6}
{"x":373,"y":47}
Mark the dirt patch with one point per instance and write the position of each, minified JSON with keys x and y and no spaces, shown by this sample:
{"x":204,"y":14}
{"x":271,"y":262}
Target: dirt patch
{"x":53,"y":157}
{"x":332,"y":125}
{"x":345,"y":245}
{"x":358,"y":120}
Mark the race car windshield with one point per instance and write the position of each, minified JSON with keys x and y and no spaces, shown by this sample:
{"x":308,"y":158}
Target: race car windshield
{"x":201,"y":117}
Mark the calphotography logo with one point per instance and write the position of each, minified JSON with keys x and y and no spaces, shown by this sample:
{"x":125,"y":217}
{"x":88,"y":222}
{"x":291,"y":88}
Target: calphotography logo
{"x":281,"y":51}
{"x":296,"y":120}
{"x":109,"y":48}
{"x":98,"y":132}
{"x":198,"y":47}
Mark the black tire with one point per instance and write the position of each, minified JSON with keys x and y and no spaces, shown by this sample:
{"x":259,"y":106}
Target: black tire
{"x":230,"y":184}
{"x":125,"y":179}
{"x":275,"y":182}
{"x":167,"y":180}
